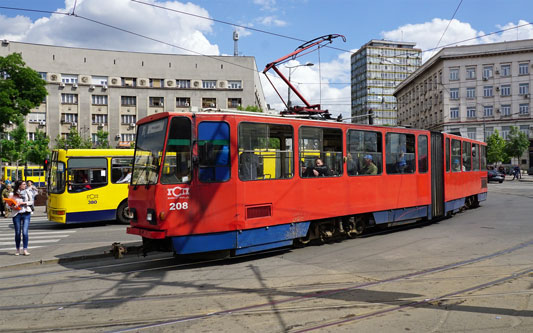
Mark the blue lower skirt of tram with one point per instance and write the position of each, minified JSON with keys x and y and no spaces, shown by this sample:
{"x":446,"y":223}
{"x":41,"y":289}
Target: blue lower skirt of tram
{"x":242,"y":241}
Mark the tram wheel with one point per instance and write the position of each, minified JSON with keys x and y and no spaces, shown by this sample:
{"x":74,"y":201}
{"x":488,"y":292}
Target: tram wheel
{"x":122,"y":218}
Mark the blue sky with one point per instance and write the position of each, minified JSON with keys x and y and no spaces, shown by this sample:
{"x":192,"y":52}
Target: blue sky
{"x":420,"y":21}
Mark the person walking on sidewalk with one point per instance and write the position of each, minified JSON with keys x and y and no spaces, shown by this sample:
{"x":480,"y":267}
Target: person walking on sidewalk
{"x":21,"y":216}
{"x":516,"y":172}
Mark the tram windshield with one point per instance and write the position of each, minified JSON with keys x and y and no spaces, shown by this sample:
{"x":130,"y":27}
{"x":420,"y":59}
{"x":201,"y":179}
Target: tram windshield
{"x":148,"y":152}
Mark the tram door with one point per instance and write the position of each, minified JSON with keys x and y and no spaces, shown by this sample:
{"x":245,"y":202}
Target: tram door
{"x":437,"y":174}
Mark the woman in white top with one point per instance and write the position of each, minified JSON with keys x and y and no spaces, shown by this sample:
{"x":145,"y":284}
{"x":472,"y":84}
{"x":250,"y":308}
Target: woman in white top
{"x":21,"y":216}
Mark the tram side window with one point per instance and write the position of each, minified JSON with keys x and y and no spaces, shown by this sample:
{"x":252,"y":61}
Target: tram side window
{"x":475,"y":157}
{"x":324,"y":144}
{"x":447,"y":154}
{"x":86,"y":173}
{"x":422,"y":153}
{"x":456,"y":155}
{"x":467,"y":156}
{"x":364,"y":153}
{"x":213,"y":150}
{"x":483,"y":160}
{"x":176,"y":167}
{"x":120,"y":168}
{"x":265,"y":151}
{"x":400,"y":150}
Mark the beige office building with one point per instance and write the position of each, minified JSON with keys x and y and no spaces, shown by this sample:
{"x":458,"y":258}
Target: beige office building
{"x":472,"y":91}
{"x":111,"y":90}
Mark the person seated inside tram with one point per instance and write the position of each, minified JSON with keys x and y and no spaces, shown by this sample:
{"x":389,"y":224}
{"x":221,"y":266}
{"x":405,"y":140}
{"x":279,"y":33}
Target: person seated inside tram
{"x":351,"y":165}
{"x":456,"y":165}
{"x":369,"y":168}
{"x":319,"y":169}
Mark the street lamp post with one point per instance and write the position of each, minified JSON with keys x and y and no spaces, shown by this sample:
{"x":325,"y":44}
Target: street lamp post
{"x":289,"y":88}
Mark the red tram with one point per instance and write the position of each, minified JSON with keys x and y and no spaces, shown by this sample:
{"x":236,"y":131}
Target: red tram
{"x":245,"y":182}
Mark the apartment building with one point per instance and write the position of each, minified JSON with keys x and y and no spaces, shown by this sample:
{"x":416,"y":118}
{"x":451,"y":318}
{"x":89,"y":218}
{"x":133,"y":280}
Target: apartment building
{"x":377,"y":68}
{"x":110,"y":90}
{"x":472,"y":91}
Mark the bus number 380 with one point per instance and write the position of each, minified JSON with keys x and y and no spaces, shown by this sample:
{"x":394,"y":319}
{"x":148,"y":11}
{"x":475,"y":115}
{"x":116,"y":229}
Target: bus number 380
{"x":179,"y":205}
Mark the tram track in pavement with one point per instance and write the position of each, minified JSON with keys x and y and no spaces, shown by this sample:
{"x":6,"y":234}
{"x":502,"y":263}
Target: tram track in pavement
{"x":258,"y":307}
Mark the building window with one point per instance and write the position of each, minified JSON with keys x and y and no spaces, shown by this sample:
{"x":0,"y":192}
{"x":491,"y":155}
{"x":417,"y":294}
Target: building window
{"x":128,"y":100}
{"x":42,"y":75}
{"x":183,"y":84}
{"x":234,"y":103}
{"x":454,"y":74}
{"x":523,"y":69}
{"x":129,"y":82}
{"x":209,"y":84}
{"x":487,"y":72}
{"x":523,"y":88}
{"x":471,"y":92}
{"x":470,"y":73}
{"x":156,"y":101}
{"x":524,"y":108}
{"x":505,"y":90}
{"x":471,"y":133}
{"x":99,"y":99}
{"x":209,"y":102}
{"x":69,"y":118}
{"x":487,"y":91}
{"x":454,"y":93}
{"x":487,"y":111}
{"x":69,"y":98}
{"x":506,"y":110}
{"x":156,"y":83}
{"x":471,"y":112}
{"x":99,"y":80}
{"x":505,"y":132}
{"x":128,"y":119}
{"x":31,"y":136}
{"x":183,"y":102}
{"x":69,"y":78}
{"x":36,"y":117}
{"x":94,"y":138}
{"x":506,"y":70}
{"x":234,"y":84}
{"x":128,"y":137}
{"x":454,"y":113}
{"x":99,"y":119}
{"x":525,"y":129}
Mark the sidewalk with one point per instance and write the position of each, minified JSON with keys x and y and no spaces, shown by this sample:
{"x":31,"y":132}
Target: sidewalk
{"x":62,"y":252}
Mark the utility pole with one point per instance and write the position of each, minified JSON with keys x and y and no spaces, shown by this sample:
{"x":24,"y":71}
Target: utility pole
{"x":289,"y":88}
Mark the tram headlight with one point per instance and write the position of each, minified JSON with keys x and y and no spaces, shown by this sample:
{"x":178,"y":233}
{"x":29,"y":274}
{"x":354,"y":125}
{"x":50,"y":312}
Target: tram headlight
{"x":151,"y":216}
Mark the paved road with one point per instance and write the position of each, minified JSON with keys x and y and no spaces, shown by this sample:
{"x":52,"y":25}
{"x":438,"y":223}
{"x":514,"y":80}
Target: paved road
{"x":472,"y":272}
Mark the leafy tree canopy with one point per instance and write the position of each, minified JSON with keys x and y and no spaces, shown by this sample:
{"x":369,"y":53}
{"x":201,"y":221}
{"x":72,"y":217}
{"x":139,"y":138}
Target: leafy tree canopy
{"x":251,"y":108}
{"x":38,"y":149}
{"x":102,"y":138}
{"x":73,"y":141}
{"x":21,"y":89}
{"x":495,"y":148}
{"x":517,"y":143}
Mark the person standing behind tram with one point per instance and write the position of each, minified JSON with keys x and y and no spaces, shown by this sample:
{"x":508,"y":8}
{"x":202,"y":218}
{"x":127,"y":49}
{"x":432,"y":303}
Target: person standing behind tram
{"x":21,"y":216}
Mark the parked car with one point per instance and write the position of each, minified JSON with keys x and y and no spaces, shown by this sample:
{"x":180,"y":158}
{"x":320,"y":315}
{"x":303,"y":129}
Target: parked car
{"x":496,"y":176}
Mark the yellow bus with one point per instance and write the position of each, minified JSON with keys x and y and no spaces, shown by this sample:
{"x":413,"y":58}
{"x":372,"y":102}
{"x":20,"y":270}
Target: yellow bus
{"x":89,"y":185}
{"x":33,"y":173}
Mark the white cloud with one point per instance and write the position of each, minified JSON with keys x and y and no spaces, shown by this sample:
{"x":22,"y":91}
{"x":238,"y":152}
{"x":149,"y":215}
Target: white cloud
{"x":14,"y":28}
{"x":272,"y":21}
{"x":176,"y":29}
{"x":427,"y":34}
{"x":267,"y":5}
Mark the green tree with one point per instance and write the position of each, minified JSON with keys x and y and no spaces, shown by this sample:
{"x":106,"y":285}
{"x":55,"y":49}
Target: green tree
{"x":38,"y":148}
{"x":13,"y":150}
{"x":73,"y":141}
{"x":251,"y":108}
{"x":102,"y":138}
{"x":495,"y":148}
{"x":21,"y":89}
{"x":517,"y":143}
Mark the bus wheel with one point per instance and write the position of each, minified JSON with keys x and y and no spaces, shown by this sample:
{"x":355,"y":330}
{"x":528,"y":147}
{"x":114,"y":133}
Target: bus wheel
{"x":122,"y":218}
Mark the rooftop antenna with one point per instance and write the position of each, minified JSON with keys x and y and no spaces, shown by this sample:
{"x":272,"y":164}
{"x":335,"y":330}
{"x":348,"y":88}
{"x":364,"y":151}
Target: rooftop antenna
{"x":235,"y":43}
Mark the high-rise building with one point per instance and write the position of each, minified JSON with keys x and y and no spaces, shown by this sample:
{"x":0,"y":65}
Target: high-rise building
{"x":472,"y":91}
{"x":110,"y":90}
{"x":377,"y":68}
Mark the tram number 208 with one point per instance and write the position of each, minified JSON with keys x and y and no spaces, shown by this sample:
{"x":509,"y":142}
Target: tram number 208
{"x":179,"y":205}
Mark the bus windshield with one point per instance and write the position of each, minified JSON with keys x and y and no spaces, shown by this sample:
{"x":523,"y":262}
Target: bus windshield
{"x":148,"y":152}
